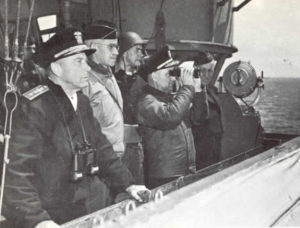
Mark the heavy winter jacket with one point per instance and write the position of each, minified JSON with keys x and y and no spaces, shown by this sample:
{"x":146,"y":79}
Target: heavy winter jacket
{"x":107,"y":104}
{"x":211,"y":118}
{"x":165,"y":127}
{"x":38,"y":185}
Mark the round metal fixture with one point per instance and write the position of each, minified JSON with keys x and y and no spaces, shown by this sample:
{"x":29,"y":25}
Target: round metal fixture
{"x":240,"y":79}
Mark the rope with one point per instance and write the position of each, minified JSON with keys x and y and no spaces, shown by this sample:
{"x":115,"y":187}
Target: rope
{"x":28,"y":25}
{"x":12,"y":71}
{"x":6,"y":39}
{"x":16,"y":41}
{"x":7,"y":135}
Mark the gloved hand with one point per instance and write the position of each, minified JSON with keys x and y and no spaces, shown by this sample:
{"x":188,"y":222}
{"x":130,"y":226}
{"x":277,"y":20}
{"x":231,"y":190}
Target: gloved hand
{"x":136,"y":191}
{"x":47,"y":224}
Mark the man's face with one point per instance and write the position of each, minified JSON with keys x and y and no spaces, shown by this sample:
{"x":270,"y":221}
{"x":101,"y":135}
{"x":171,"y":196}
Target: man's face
{"x":107,"y":51}
{"x":162,"y":81}
{"x":134,"y":56}
{"x":74,"y":70}
{"x":206,"y":72}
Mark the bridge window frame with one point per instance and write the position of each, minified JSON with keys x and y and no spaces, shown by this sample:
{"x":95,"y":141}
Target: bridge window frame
{"x":46,"y":31}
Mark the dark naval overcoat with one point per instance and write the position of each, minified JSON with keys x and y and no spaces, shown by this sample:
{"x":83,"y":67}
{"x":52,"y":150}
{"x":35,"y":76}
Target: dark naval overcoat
{"x":46,"y":129}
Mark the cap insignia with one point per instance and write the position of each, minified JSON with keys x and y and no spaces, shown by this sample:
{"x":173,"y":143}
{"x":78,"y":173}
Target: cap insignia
{"x":78,"y":37}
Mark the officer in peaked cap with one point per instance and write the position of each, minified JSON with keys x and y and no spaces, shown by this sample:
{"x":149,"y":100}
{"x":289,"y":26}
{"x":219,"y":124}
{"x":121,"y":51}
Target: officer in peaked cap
{"x":103,"y":37}
{"x":63,"y":44}
{"x":59,"y":159}
{"x":105,"y":94}
{"x":103,"y":90}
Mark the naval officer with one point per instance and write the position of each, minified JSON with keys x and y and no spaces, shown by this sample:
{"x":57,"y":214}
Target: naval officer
{"x":61,"y":165}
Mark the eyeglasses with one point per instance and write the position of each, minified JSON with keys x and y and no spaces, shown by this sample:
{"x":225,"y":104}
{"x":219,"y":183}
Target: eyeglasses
{"x":111,"y":46}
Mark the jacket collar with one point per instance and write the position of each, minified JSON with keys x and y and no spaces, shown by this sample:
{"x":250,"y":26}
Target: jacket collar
{"x":157,"y":93}
{"x":100,"y":72}
{"x":99,"y":68}
{"x":123,"y":77}
{"x":56,"y":89}
{"x":62,"y":98}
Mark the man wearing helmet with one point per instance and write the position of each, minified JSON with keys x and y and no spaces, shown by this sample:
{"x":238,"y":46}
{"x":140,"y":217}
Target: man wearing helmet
{"x":130,"y":58}
{"x":131,"y":51}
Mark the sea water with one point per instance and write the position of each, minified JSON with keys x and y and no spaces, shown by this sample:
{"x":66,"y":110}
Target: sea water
{"x":279,"y":105}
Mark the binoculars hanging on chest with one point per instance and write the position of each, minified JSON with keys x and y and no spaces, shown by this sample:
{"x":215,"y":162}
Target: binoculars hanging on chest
{"x":84,"y":161}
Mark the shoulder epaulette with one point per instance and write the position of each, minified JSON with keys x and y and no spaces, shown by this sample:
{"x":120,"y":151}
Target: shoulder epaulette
{"x":35,"y":92}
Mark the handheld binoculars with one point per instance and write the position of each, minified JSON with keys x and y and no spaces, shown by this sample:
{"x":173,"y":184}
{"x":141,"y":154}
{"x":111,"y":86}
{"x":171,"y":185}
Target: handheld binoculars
{"x":176,"y":72}
{"x":84,"y":161}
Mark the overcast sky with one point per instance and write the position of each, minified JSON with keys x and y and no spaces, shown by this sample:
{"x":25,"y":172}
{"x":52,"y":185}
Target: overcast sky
{"x":267,"y":33}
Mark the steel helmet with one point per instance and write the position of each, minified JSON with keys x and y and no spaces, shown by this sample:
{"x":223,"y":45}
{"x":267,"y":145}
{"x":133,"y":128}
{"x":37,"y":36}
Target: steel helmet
{"x":128,"y":40}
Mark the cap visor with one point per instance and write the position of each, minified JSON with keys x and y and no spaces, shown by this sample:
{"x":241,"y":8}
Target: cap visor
{"x":89,"y":51}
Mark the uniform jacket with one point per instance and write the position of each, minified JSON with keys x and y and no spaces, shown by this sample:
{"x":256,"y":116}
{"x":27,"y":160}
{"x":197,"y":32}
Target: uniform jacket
{"x":107,"y":105}
{"x":125,"y":83}
{"x":38,"y":185}
{"x":211,"y":118}
{"x":165,"y":126}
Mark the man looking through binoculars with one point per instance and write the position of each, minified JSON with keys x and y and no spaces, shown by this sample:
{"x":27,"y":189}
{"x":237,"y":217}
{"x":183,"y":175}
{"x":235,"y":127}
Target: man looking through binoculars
{"x":165,"y":120}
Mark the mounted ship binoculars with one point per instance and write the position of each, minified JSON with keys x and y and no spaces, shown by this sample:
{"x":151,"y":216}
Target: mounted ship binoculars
{"x":84,"y":162}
